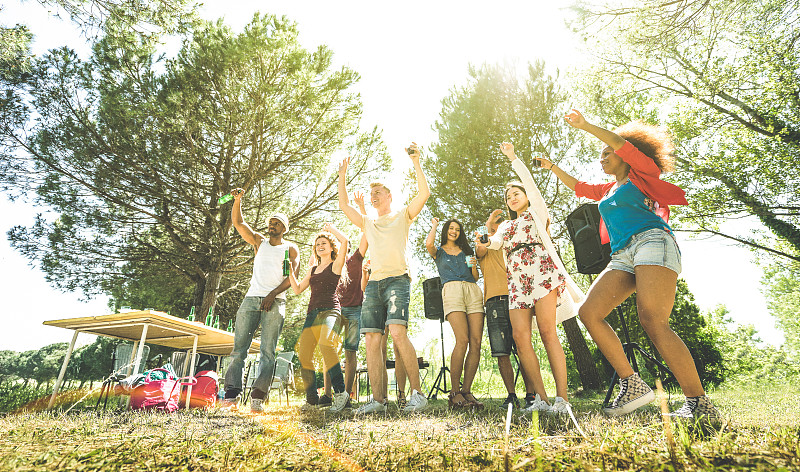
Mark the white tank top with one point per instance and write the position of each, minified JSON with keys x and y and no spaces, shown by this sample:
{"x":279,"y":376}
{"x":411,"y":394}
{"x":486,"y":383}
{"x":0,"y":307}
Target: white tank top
{"x":268,"y":269}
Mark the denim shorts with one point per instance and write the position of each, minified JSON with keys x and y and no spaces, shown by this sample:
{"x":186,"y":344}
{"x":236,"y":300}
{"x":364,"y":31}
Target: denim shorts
{"x":498,"y":324}
{"x":652,"y":247}
{"x":352,"y":326}
{"x":385,"y":302}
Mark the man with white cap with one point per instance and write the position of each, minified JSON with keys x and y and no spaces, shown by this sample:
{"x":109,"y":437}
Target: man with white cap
{"x":264,"y":304}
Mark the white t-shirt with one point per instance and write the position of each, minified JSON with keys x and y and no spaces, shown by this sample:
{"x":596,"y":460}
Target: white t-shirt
{"x":387,"y":236}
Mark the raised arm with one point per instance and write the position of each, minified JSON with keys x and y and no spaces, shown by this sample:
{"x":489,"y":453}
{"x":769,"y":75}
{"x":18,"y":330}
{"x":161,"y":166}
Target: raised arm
{"x":350,"y":212}
{"x":423,"y":191}
{"x":535,"y":199}
{"x":565,"y":178}
{"x":242,"y":228}
{"x":575,"y":119}
{"x":491,"y":229}
{"x":299,"y":286}
{"x":358,"y":197}
{"x":363,"y":245}
{"x":430,"y":241}
{"x":341,"y":256}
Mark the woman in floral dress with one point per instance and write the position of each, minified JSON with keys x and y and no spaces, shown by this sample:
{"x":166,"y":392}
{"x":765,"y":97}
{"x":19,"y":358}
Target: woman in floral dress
{"x":538,"y":284}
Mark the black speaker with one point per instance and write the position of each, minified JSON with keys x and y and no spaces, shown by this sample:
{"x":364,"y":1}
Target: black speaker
{"x":432,"y":294}
{"x":583,"y":225}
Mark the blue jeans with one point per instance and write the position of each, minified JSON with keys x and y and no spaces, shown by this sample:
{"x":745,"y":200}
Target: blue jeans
{"x":248,"y":318}
{"x":352,"y":336}
{"x":385,"y":302}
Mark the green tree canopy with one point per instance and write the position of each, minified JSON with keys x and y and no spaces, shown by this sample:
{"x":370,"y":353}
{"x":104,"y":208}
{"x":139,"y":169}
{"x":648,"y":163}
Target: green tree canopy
{"x":130,"y":153}
{"x":723,"y":75}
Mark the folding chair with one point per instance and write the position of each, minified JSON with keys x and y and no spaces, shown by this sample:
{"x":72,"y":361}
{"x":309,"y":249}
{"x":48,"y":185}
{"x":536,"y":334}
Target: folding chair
{"x":283,"y":375}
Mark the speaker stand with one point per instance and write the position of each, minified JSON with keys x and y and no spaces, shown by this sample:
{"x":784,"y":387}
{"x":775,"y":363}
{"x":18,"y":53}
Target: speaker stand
{"x":440,"y":384}
{"x":631,"y":349}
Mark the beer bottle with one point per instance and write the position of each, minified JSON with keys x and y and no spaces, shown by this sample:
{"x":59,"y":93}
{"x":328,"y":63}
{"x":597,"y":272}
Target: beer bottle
{"x":210,"y":316}
{"x":225,"y":198}
{"x":287,"y":265}
{"x":191,"y":314}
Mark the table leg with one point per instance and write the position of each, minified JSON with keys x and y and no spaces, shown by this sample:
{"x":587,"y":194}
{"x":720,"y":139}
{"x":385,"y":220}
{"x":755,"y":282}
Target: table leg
{"x":63,"y":370}
{"x":191,"y":373}
{"x":140,"y":351}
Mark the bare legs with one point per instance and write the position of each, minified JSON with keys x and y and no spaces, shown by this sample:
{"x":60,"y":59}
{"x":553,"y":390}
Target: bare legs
{"x":655,"y":288}
{"x":468,"y":331}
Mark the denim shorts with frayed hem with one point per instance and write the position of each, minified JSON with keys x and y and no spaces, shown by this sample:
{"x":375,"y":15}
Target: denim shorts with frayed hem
{"x":385,"y":302}
{"x":352,"y":326}
{"x":498,"y":324}
{"x":652,"y":247}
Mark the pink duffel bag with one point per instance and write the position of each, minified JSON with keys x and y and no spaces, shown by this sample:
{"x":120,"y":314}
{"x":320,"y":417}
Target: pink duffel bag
{"x":162,"y":395}
{"x":204,"y":390}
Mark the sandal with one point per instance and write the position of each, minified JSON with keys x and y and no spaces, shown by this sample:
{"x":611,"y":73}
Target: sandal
{"x":456,"y":404}
{"x":472,"y":401}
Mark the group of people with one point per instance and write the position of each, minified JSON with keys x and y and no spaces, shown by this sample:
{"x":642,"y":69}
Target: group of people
{"x":524,"y":280}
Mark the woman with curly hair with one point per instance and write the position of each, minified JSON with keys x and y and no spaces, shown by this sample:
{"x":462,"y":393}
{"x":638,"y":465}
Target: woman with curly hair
{"x":645,"y":258}
{"x":462,"y":300}
{"x":538,"y":285}
{"x":323,"y":325}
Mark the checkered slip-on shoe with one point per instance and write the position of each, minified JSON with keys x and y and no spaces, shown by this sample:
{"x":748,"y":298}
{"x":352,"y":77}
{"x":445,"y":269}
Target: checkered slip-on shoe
{"x":633,"y":393}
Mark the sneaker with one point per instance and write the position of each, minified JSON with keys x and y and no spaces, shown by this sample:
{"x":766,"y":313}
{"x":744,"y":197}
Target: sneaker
{"x":340,"y":401}
{"x":535,"y":403}
{"x":325,"y":400}
{"x":256,"y":405}
{"x":372,"y":407}
{"x":416,"y":402}
{"x":560,"y":407}
{"x":401,"y":401}
{"x":699,"y":408}
{"x":228,"y":402}
{"x":510,"y":399}
{"x":633,"y":393}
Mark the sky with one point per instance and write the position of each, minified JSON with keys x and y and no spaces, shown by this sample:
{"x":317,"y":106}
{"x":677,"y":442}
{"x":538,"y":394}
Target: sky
{"x":409,"y":55}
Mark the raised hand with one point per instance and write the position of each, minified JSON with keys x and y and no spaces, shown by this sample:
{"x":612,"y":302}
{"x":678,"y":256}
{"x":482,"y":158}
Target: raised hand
{"x":575,"y":119}
{"x":358,"y":197}
{"x":544,"y":162}
{"x":492,"y":222}
{"x":343,"y":167}
{"x":434,"y":222}
{"x":327,"y":227}
{"x":237,"y":193}
{"x":413,"y":151}
{"x":508,"y":150}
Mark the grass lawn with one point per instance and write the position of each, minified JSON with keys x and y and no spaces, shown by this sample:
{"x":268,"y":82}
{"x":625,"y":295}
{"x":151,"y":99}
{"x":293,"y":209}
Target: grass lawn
{"x":762,"y":433}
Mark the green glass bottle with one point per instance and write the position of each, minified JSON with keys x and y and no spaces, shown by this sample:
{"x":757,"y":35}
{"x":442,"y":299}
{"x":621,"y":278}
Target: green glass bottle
{"x":230,"y":326}
{"x":216,"y":322}
{"x":191,"y":314}
{"x":210,"y":316}
{"x":287,"y":265}
{"x":225,"y":199}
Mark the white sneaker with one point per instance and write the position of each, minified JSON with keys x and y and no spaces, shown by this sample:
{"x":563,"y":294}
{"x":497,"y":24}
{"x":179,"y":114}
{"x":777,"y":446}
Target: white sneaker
{"x":372,"y":407}
{"x":339,"y":401}
{"x":537,"y":405}
{"x":256,"y":405}
{"x":560,"y":407}
{"x":416,"y":402}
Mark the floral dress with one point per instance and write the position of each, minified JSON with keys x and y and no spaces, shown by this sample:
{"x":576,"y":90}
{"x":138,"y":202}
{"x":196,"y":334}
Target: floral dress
{"x":531,"y":272}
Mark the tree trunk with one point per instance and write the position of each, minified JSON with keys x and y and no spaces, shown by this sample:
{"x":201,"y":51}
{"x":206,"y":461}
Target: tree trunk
{"x":209,"y":293}
{"x":590,"y":377}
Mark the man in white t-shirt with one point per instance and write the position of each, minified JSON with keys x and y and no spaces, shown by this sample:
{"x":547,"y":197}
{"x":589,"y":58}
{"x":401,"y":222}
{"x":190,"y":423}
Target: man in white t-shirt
{"x":387,"y":294}
{"x":264,"y":304}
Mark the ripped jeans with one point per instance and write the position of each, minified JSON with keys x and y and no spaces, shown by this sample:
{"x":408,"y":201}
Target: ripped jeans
{"x":385,"y":302}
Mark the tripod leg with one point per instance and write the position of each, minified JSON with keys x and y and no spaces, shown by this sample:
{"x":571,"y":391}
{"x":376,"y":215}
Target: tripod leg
{"x":659,"y":365}
{"x":611,"y":385}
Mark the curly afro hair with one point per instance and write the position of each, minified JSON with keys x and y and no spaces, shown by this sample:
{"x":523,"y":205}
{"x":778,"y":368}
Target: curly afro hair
{"x":654,"y":141}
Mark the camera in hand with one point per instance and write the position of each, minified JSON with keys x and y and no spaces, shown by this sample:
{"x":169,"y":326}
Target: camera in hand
{"x":411,"y":150}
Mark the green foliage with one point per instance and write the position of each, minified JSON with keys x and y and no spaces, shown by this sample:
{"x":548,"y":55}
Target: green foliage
{"x":723,"y":76}
{"x":14,"y":395}
{"x":130,"y":153}
{"x":746,"y":359}
{"x":782,"y":289}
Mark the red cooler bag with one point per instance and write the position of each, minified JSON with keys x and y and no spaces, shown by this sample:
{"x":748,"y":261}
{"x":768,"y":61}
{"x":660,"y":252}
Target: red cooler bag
{"x":204,"y":392}
{"x":159,"y":395}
